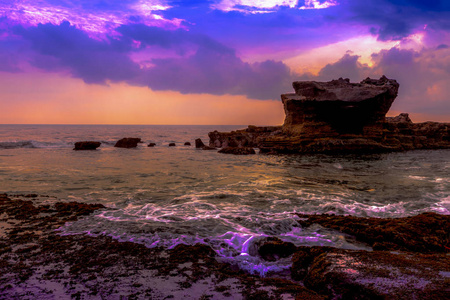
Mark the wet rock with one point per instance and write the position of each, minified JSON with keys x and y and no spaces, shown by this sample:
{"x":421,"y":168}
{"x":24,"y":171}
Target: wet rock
{"x":248,"y":137}
{"x":237,"y":150}
{"x":208,"y":148}
{"x":302,"y":259}
{"x":272,"y":249}
{"x":426,"y":233}
{"x":86,"y":145}
{"x":172,"y":145}
{"x":151,"y":145}
{"x":187,"y":144}
{"x":127,"y":143}
{"x":199,"y":143}
{"x":345,"y":274}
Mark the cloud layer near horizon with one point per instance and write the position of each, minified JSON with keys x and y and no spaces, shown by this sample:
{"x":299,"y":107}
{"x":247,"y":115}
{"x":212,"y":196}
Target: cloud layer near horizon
{"x":233,"y":47}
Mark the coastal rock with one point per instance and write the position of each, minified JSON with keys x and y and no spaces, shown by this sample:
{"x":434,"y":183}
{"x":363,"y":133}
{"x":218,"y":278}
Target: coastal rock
{"x":199,"y":143}
{"x":249,"y":137}
{"x":346,"y":274}
{"x":425,"y":233}
{"x":337,"y":106}
{"x":272,"y":249}
{"x":401,"y":118}
{"x":208,"y":148}
{"x":238,"y":150}
{"x":172,"y":144}
{"x":339,"y":117}
{"x":127,"y":143}
{"x":151,"y":145}
{"x":86,"y":145}
{"x":187,"y":144}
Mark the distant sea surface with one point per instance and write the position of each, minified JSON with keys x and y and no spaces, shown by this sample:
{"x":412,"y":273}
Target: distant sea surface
{"x":163,"y":196}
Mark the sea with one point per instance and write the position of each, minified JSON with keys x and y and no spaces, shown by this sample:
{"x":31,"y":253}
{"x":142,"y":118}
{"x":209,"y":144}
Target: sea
{"x":162,"y":196}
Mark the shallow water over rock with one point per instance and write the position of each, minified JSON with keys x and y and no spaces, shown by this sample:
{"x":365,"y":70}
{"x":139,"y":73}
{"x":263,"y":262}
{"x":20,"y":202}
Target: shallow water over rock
{"x":163,"y":196}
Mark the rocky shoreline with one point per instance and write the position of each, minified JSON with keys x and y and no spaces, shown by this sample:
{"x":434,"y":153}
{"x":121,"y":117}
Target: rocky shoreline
{"x":409,"y":260}
{"x":339,"y":117}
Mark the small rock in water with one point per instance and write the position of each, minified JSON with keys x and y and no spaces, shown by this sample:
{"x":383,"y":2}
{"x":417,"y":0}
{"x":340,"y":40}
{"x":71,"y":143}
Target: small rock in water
{"x":151,"y":145}
{"x":127,"y":143}
{"x":238,"y":150}
{"x":187,"y":144}
{"x":172,"y":145}
{"x":272,"y":248}
{"x":199,"y":143}
{"x":86,"y":145}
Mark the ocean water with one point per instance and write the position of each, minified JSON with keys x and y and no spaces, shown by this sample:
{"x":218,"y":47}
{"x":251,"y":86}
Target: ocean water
{"x":164,"y":196}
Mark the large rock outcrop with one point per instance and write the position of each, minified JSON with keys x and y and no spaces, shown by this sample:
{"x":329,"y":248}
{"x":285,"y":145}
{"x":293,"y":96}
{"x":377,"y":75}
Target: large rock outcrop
{"x":339,"y":117}
{"x":338,"y":106}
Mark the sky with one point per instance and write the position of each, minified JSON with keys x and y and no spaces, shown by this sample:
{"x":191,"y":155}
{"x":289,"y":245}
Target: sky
{"x":212,"y":61}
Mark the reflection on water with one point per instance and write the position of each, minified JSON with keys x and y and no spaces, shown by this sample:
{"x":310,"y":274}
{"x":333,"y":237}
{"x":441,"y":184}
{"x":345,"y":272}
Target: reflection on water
{"x":162,"y":196}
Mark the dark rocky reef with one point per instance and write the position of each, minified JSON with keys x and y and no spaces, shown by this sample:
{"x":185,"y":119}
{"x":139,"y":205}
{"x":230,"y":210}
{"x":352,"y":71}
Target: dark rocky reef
{"x":339,"y":117}
{"x":86,"y":145}
{"x":409,"y":261}
{"x":238,"y":150}
{"x":249,"y":137}
{"x":36,"y":262}
{"x":127,"y":143}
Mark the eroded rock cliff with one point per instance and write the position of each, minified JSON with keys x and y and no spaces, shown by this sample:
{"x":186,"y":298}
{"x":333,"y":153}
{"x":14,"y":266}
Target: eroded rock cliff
{"x":339,"y":117}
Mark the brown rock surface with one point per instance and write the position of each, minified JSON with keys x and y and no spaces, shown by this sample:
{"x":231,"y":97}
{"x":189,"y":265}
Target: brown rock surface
{"x":127,"y":143}
{"x":339,"y":117}
{"x":238,"y":150}
{"x":426,"y":233}
{"x":199,"y":143}
{"x":337,"y":106}
{"x":379,"y":275}
{"x":86,"y":145}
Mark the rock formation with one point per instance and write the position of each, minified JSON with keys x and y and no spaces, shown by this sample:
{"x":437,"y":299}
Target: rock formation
{"x":337,"y":107}
{"x":238,"y":150}
{"x":339,"y":117}
{"x":172,"y":144}
{"x":151,"y":145}
{"x":199,"y":143}
{"x":86,"y":145}
{"x":127,"y":143}
{"x":187,"y":143}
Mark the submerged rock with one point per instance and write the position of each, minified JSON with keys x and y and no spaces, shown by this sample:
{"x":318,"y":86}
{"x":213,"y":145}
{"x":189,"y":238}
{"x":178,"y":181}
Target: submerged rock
{"x":187,"y":144}
{"x":127,"y":143}
{"x":237,"y":150}
{"x":151,"y":145}
{"x":86,"y":145}
{"x":208,"y":148}
{"x":272,"y":249}
{"x":172,"y":144}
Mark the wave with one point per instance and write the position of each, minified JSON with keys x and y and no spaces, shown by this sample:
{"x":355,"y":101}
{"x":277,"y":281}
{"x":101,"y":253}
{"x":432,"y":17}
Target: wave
{"x":33,"y":144}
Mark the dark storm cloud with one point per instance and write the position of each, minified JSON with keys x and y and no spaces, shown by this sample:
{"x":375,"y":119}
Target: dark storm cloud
{"x":394,"y":20}
{"x":64,"y":46}
{"x":212,"y":68}
{"x":347,"y":67}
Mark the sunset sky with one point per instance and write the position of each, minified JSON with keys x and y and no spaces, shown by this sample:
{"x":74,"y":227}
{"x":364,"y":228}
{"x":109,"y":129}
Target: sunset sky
{"x":212,"y":62}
